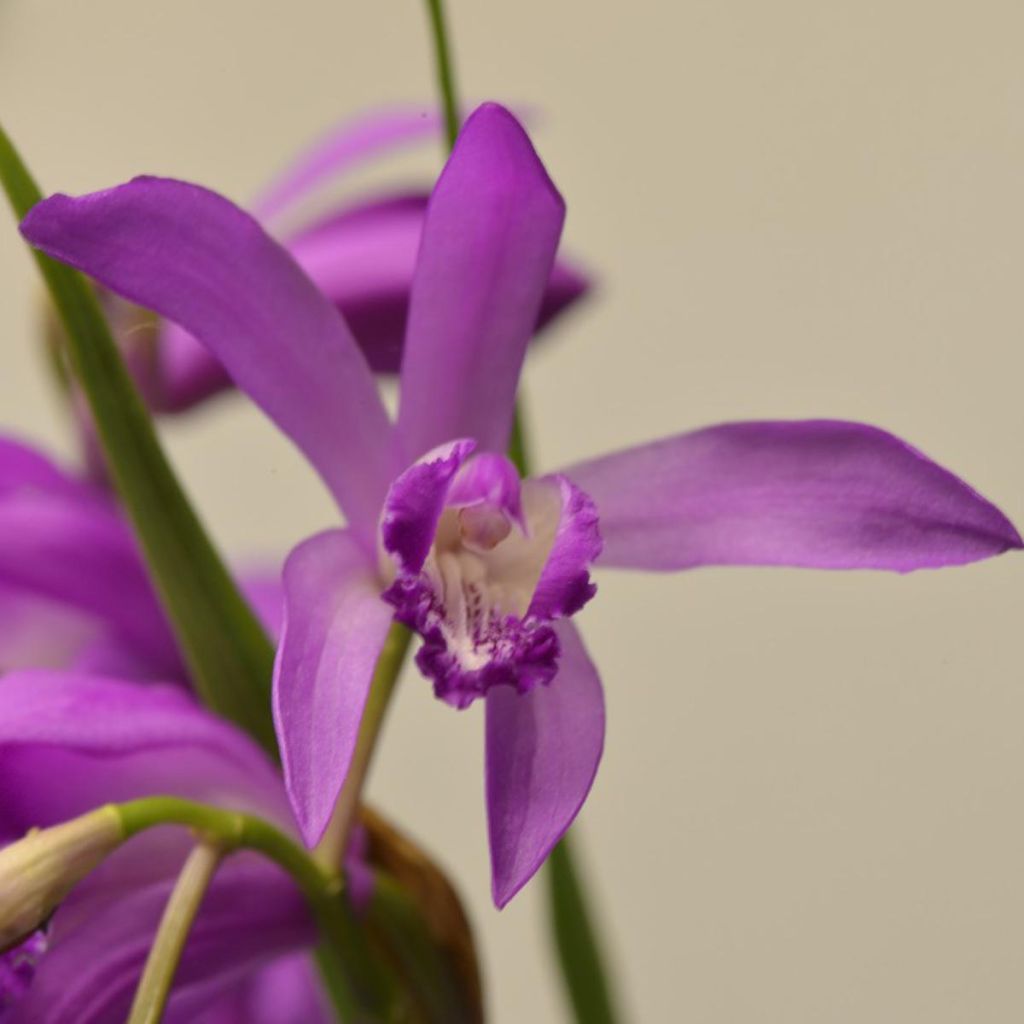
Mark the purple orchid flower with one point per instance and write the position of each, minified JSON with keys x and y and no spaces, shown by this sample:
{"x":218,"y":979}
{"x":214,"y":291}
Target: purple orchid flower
{"x":441,"y":532}
{"x":361,"y":255}
{"x":71,"y":742}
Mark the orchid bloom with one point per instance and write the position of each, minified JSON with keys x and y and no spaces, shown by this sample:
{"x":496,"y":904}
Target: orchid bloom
{"x":71,"y":742}
{"x":441,"y":532}
{"x":361,"y":255}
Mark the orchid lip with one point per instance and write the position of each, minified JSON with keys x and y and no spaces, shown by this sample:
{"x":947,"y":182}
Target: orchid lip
{"x":470,"y":544}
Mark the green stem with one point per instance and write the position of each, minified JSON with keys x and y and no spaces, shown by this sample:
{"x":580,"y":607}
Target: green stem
{"x":165,"y":953}
{"x":576,"y":940}
{"x":445,"y":74}
{"x":360,"y":988}
{"x":228,"y":653}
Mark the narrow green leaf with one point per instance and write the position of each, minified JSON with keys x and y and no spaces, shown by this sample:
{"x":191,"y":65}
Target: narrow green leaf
{"x":227,"y":651}
{"x":585,"y":979}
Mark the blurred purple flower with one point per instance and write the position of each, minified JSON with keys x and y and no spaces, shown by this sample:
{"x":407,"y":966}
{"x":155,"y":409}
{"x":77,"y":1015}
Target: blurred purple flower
{"x":487,"y":568}
{"x":71,"y":742}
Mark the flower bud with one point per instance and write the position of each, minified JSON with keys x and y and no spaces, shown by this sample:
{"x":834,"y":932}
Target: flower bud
{"x":37,"y":872}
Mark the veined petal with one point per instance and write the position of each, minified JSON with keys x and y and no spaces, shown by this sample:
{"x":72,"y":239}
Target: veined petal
{"x":489,"y":242}
{"x":71,"y":742}
{"x":543,"y":749}
{"x":818,"y":493}
{"x":334,"y":628}
{"x":89,"y":973}
{"x":195,"y":258}
{"x":344,"y":147}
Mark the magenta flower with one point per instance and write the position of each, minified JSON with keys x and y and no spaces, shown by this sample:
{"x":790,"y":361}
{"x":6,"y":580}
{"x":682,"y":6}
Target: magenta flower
{"x":361,"y":255}
{"x":441,"y":532}
{"x":71,"y":742}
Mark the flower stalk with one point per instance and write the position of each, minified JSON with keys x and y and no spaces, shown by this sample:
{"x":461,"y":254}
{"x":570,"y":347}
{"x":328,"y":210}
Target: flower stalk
{"x":359,"y":985}
{"x":165,"y":954}
{"x":445,"y":72}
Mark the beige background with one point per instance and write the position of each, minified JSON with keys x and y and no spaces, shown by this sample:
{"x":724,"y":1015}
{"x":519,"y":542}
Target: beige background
{"x":810,"y":806}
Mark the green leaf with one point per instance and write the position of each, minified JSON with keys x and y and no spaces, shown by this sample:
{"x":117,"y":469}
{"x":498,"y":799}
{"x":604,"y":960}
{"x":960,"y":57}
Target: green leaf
{"x":227,"y":651}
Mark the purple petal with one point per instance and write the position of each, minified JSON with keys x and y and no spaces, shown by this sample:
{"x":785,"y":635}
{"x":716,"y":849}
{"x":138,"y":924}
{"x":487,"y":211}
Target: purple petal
{"x":264,"y":591}
{"x":187,"y":372}
{"x":334,"y":627}
{"x":23,"y":468}
{"x":564,"y":586}
{"x":65,"y":543}
{"x":69,"y":743}
{"x":89,"y":974}
{"x":343,"y":148}
{"x":363,"y":260}
{"x":286,"y":991}
{"x":543,"y":749}
{"x":36,"y":632}
{"x":817,"y":493}
{"x":489,"y":241}
{"x":415,"y":503}
{"x":195,"y":258}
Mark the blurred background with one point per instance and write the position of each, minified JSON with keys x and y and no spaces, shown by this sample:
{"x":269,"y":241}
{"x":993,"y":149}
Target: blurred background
{"x":809,"y":808}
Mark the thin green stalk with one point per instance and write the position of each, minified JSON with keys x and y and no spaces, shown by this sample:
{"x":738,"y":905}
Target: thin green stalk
{"x":445,"y":73}
{"x":361,"y":989}
{"x":575,"y":934}
{"x":227,"y":651}
{"x":165,"y":954}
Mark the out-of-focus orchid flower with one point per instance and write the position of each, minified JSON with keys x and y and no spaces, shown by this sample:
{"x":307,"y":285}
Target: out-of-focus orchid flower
{"x":441,"y":532}
{"x":74,"y":591}
{"x":71,"y":742}
{"x":362,"y":256}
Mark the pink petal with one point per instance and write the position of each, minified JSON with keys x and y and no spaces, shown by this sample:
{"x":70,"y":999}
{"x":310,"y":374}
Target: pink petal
{"x":334,"y":628}
{"x":489,"y":241}
{"x":818,"y":493}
